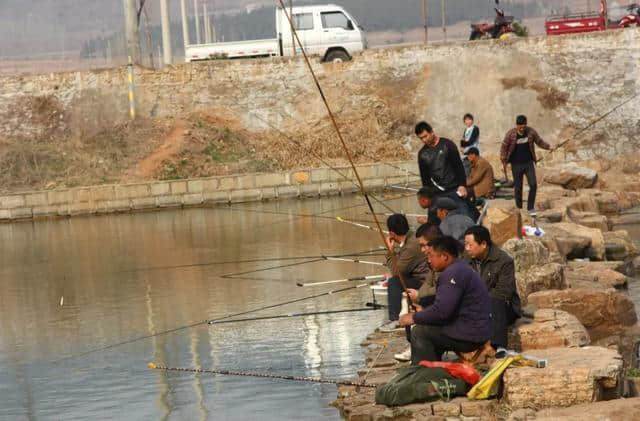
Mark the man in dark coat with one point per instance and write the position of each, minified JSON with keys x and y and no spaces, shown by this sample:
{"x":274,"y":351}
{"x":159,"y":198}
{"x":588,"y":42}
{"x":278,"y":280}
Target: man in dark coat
{"x":497,"y":270}
{"x":458,"y":320}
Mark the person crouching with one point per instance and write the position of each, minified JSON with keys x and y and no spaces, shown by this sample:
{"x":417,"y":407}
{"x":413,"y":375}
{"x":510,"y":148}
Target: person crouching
{"x":458,"y":320}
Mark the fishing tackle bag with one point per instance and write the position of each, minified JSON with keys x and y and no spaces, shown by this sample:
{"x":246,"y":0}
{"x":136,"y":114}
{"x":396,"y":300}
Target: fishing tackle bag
{"x":416,"y":384}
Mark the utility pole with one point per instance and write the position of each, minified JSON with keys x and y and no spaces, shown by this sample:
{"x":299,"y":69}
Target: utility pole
{"x":185,"y":25}
{"x":197,"y":19}
{"x":131,"y":30}
{"x":425,"y":6}
{"x":166,"y":31}
{"x":293,"y":38}
{"x":444,"y":21}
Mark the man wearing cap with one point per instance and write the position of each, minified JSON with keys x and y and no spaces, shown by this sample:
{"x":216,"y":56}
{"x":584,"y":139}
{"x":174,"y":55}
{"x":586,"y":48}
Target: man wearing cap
{"x":454,"y":223}
{"x":518,"y":150}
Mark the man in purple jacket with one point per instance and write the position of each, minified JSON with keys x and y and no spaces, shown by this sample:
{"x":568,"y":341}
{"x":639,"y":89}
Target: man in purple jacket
{"x":458,"y":320}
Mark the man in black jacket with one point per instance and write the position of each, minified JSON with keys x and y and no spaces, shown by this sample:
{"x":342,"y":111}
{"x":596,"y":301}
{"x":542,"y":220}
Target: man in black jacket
{"x":497,"y":270}
{"x":439,"y":162}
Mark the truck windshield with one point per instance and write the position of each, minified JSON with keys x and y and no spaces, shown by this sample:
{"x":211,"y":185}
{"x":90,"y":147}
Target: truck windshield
{"x":303,"y":21}
{"x":335,"y":20}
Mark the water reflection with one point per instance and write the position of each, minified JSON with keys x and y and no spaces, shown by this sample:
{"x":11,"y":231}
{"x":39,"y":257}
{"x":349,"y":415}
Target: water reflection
{"x":98,"y":265}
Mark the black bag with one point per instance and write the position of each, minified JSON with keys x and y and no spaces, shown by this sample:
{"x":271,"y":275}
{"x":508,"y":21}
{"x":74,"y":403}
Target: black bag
{"x":416,"y":384}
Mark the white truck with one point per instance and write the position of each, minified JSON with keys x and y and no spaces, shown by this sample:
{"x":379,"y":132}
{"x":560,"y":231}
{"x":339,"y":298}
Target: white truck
{"x":328,"y":31}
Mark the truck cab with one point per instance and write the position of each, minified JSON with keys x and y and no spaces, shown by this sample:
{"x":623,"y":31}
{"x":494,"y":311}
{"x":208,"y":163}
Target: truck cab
{"x":328,"y":31}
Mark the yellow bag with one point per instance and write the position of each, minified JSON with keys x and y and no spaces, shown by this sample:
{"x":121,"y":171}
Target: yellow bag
{"x":489,"y":383}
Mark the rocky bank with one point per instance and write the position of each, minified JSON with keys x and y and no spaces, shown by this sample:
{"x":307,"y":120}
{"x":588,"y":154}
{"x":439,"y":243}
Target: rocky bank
{"x":578,"y":314}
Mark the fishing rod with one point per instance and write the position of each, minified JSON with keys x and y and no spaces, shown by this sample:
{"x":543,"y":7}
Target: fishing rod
{"x":413,"y":189}
{"x":202,"y":322}
{"x":155,"y":366}
{"x":364,"y":262}
{"x":394,"y":260}
{"x":588,"y":126}
{"x":409,"y":215}
{"x":357,"y":278}
{"x":290,"y":214}
{"x":292,"y":315}
{"x":356,"y":224}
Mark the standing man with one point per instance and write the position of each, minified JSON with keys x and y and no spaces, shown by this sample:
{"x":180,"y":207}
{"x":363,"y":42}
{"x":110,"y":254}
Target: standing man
{"x":410,"y":262}
{"x":497,"y":270}
{"x":440,"y":164}
{"x":458,"y":320}
{"x":518,"y":150}
{"x":480,"y":180}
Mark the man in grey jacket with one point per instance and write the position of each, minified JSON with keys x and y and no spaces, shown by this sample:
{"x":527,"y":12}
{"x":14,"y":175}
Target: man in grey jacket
{"x":454,"y":221}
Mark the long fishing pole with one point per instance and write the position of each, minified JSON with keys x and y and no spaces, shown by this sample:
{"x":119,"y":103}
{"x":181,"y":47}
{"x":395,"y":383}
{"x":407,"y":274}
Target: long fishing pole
{"x":202,"y":322}
{"x":394,"y":260}
{"x":364,"y":262}
{"x":337,"y":281}
{"x":155,"y":366}
{"x":297,"y":215}
{"x":293,"y":315}
{"x":588,"y":126}
{"x":356,"y":224}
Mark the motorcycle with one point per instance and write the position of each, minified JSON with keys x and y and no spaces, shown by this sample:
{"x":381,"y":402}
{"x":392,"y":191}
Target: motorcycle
{"x":500,"y":28}
{"x":633,"y":18}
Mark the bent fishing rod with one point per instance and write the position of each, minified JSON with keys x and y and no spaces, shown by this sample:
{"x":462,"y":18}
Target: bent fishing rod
{"x":202,"y":322}
{"x":154,"y":366}
{"x":363,"y":191}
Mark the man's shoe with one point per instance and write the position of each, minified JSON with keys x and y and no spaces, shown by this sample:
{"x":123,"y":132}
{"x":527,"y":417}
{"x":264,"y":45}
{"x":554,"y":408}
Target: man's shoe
{"x":404,"y":356}
{"x":532,"y":212}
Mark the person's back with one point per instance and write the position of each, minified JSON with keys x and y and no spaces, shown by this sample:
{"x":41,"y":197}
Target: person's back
{"x":456,"y":224}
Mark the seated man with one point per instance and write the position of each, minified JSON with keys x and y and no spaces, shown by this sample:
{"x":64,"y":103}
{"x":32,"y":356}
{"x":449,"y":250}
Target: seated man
{"x":497,"y":270}
{"x":410,"y":262}
{"x":426,"y":197}
{"x":454,"y":223}
{"x":458,"y":320}
{"x":480,"y":181}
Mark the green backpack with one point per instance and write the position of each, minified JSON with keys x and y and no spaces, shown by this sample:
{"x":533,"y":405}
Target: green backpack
{"x":415,"y":384}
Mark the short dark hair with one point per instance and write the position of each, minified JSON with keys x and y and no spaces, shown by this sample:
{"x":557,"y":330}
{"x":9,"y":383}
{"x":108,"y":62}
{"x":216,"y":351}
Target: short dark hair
{"x":423,"y":126}
{"x":480,"y":234}
{"x":473,"y":151}
{"x":467,"y":116}
{"x":398,"y":224}
{"x":446,"y":244}
{"x":521,"y":120}
{"x":427,"y":192}
{"x":429,"y":231}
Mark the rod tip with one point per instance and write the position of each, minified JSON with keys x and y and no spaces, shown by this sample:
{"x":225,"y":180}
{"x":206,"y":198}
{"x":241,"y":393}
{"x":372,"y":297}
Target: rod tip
{"x":152,"y":365}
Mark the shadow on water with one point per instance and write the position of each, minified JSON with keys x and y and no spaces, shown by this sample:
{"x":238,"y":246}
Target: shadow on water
{"x":73,"y":285}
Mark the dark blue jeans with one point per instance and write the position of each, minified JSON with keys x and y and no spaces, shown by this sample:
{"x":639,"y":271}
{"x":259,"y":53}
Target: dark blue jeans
{"x":519,"y":171}
{"x":394,"y":294}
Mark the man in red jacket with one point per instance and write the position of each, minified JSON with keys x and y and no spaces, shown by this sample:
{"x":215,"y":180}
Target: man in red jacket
{"x":518,"y":150}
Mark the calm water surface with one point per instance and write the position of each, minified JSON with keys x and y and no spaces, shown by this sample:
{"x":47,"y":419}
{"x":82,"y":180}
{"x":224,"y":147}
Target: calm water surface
{"x":126,"y":276}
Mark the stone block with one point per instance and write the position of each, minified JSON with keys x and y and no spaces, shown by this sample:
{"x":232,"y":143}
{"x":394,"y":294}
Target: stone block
{"x":375,"y":184}
{"x":366,"y":172}
{"x":13,"y":201}
{"x":245,"y":182}
{"x":195,"y":186}
{"x":82,"y":195}
{"x":21,"y":213}
{"x":63,"y":210}
{"x":329,"y":189}
{"x":193,"y":199}
{"x":540,"y":278}
{"x":160,"y":189}
{"x":5,"y":214}
{"x":271,"y":180}
{"x":216,"y":197}
{"x":573,"y":376}
{"x":44,"y":211}
{"x":309,"y":190}
{"x":169,"y":201}
{"x":348,"y":187}
{"x":549,"y":328}
{"x":240,"y":196}
{"x":285,"y":192}
{"x":526,"y":253}
{"x":603,"y":312}
{"x":35,"y":199}
{"x":143,"y":203}
{"x":132,"y":191}
{"x":102,"y":193}
{"x":122,"y":205}
{"x":269,"y":193}
{"x":228,"y":183}
{"x":385,"y":171}
{"x":82,"y":208}
{"x":616,"y":409}
{"x":476,"y":408}
{"x":446,"y":409}
{"x":567,"y":230}
{"x":572,"y":177}
{"x":396,"y":180}
{"x":320,"y":175}
{"x":178,"y":187}
{"x":210,"y":185}
{"x":503,"y":223}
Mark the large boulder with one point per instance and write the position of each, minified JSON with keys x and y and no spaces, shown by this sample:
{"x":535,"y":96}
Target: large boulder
{"x":573,"y":376}
{"x":603,"y":312}
{"x":594,"y":278}
{"x":571,"y":176}
{"x":540,"y":278}
{"x":549,"y":328}
{"x":503,"y":223}
{"x":617,"y":409}
{"x":618,"y":245}
{"x":565,"y":234}
{"x":589,"y":219}
{"x":526,"y":253}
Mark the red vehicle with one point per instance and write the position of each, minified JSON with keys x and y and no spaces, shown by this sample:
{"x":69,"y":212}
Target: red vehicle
{"x":605,"y":18}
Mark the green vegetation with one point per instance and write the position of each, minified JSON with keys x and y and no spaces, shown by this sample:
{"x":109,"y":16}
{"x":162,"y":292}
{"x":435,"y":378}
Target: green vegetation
{"x":633,"y":372}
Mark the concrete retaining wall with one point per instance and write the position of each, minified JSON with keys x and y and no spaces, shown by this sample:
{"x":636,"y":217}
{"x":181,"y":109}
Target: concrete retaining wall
{"x":200,"y":192}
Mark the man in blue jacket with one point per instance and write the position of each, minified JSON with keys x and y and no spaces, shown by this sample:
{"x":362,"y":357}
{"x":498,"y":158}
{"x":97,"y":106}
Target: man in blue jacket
{"x":458,"y":320}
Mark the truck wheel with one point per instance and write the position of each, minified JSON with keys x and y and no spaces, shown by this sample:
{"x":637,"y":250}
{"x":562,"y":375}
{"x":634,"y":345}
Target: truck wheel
{"x":337,"y":56}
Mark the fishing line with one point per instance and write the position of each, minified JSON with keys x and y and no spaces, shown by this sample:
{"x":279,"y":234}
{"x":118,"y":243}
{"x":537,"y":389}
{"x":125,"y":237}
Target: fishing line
{"x":154,"y":366}
{"x":202,"y":322}
{"x":292,"y":315}
{"x":267,"y":212}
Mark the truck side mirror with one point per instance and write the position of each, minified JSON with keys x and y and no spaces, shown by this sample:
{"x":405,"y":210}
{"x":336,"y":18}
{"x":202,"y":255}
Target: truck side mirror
{"x":350,"y":25}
